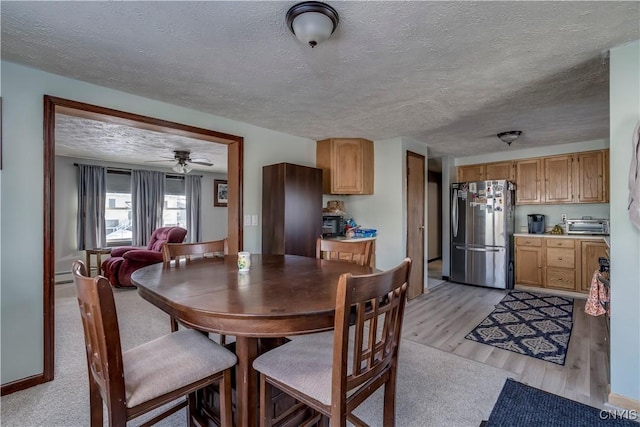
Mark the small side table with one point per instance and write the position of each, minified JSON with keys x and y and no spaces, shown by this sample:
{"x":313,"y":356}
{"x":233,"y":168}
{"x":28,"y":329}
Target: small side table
{"x":98,"y":252}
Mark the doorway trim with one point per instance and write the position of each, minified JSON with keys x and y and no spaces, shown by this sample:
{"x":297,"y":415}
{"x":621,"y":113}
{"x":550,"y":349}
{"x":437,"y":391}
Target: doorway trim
{"x":53,"y":105}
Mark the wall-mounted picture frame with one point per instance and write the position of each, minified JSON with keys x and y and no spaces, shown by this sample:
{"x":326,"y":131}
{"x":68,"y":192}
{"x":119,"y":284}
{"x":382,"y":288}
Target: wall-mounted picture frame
{"x":220,"y":193}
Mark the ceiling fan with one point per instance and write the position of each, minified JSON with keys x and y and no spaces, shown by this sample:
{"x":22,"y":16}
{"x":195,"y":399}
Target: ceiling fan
{"x":183,"y":160}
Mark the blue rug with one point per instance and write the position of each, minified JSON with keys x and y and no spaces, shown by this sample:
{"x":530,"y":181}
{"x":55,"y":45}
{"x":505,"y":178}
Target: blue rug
{"x":524,"y":406}
{"x":528,"y":323}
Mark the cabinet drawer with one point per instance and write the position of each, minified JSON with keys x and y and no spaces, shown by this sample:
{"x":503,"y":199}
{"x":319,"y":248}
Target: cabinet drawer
{"x":561,"y":257}
{"x":562,"y":278}
{"x":559,"y":243}
{"x":529,"y":241}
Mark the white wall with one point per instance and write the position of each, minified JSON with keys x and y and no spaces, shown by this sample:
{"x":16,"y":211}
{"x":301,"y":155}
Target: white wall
{"x":214,"y":219}
{"x":21,"y":195}
{"x":624,"y":110}
{"x":385,"y":210}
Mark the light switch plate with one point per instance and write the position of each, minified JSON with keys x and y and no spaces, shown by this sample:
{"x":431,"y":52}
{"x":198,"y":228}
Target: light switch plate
{"x":254,"y":220}
{"x":247,"y":220}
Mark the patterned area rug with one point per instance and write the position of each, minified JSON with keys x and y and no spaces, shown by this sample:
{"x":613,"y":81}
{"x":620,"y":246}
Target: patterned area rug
{"x":528,"y":323}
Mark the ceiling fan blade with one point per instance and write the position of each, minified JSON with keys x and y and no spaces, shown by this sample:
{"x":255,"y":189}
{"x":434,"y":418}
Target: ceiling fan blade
{"x":156,"y":161}
{"x":202,"y":162}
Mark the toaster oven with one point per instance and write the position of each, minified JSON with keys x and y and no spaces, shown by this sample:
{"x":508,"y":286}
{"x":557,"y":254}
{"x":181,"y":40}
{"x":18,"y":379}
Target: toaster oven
{"x":588,"y":226}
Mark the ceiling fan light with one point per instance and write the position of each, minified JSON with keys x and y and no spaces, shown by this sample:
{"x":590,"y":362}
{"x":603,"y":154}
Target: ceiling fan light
{"x":182,"y":168}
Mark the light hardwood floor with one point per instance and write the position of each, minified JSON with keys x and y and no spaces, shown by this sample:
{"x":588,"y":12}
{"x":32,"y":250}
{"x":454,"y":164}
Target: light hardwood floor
{"x":442,"y":318}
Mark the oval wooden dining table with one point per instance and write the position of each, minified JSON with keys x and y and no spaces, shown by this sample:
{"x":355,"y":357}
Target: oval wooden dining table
{"x":280,"y":295}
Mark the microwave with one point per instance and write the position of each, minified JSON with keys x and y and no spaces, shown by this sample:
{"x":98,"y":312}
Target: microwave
{"x":588,"y":226}
{"x":332,"y":225}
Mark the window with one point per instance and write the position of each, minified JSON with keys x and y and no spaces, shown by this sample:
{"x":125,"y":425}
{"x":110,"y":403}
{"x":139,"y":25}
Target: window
{"x":118,"y":214}
{"x":175,"y":203}
{"x":175,"y":211}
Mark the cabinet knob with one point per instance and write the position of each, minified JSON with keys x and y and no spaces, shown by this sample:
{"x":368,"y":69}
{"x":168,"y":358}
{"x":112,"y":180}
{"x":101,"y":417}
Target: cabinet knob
{"x":559,"y":258}
{"x":559,"y":279}
{"x":528,"y":241}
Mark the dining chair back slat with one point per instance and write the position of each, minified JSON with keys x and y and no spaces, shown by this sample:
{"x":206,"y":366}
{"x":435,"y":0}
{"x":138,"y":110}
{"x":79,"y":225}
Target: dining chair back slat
{"x":172,"y":253}
{"x":358,"y":252}
{"x":334,"y":373}
{"x":177,"y":251}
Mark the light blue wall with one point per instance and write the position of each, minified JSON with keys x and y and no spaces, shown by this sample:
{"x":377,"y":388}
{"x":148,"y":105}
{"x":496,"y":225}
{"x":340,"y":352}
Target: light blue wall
{"x":624,"y":109}
{"x":21,"y":195}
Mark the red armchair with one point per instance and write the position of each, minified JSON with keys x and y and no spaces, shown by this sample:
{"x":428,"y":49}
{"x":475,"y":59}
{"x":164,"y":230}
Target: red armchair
{"x":127,"y":259}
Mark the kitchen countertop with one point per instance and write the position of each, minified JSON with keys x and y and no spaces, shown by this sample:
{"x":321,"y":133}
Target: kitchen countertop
{"x":564,"y":236}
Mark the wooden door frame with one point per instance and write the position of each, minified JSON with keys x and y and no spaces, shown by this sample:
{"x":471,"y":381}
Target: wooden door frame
{"x":424,"y":211}
{"x":53,"y":105}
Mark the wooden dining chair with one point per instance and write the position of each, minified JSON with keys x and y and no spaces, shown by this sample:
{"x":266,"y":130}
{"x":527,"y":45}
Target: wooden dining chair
{"x":148,"y":376}
{"x":333,"y":373}
{"x":359,"y":252}
{"x":177,"y":251}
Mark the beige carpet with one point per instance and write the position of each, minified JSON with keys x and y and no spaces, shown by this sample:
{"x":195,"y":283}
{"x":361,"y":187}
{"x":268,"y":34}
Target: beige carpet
{"x":434,"y":388}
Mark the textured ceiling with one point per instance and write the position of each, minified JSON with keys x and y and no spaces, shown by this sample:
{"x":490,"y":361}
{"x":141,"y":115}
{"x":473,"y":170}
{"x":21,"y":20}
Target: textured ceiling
{"x":451,"y":74}
{"x":93,"y":139}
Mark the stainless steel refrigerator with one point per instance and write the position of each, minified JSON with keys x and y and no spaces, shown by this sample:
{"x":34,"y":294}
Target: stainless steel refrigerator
{"x":482,"y":225}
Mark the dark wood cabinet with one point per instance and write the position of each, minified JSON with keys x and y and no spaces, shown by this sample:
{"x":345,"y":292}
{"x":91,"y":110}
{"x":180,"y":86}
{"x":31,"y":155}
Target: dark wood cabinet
{"x":291,"y":209}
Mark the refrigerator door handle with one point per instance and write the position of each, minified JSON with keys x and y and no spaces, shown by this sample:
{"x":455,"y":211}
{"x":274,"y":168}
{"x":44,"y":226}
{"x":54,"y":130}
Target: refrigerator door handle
{"x":478,"y":249}
{"x":454,"y":213}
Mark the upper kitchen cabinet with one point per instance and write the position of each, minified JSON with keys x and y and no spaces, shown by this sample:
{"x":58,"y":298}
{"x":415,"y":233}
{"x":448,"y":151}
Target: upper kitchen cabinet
{"x":592,"y":176}
{"x":471,"y":173}
{"x":499,"y":170}
{"x":486,"y":172}
{"x":529,"y":181}
{"x":347,"y":165}
{"x":558,"y":179}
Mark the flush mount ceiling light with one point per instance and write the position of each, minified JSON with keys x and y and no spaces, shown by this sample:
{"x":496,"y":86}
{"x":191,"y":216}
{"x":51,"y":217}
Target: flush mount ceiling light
{"x":509,"y":136}
{"x":312,"y":22}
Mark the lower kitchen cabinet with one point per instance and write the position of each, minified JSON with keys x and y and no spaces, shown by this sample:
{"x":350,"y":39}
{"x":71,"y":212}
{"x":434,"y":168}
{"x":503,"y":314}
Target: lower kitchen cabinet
{"x":529,"y":261}
{"x":562,"y":263}
{"x":591,"y":250}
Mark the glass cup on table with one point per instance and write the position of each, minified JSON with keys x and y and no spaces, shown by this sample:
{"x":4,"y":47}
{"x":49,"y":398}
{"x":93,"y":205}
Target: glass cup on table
{"x":244,"y":261}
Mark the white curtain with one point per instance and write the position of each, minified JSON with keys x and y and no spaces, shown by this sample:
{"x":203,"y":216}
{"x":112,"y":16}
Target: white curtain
{"x":193,"y":191}
{"x":92,"y":194}
{"x":147,"y":199}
